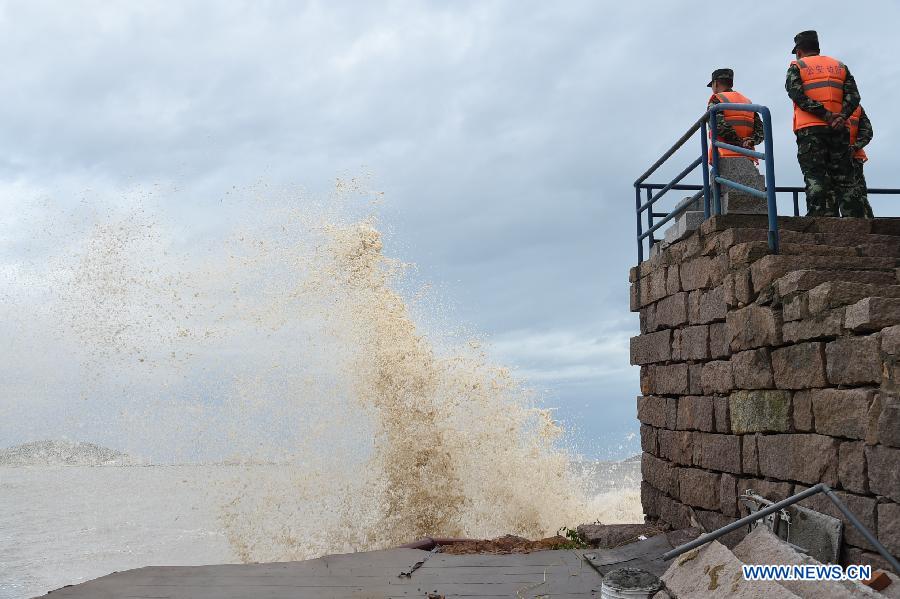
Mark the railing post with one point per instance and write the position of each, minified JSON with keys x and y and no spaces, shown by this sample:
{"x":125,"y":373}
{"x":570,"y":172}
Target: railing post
{"x":637,"y":214}
{"x":650,"y":239}
{"x":770,"y":180}
{"x":716,"y":190}
{"x":796,"y":203}
{"x":704,"y":152}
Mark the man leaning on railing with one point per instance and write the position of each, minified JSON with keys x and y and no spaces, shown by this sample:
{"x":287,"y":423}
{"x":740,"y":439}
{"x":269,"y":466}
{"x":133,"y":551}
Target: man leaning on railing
{"x":738,"y":128}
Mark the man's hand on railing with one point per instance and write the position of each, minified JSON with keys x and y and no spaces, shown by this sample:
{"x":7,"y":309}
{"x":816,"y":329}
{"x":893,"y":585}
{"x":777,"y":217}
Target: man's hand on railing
{"x":747,"y":143}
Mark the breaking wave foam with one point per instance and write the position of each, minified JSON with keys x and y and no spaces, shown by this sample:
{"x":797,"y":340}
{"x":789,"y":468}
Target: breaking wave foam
{"x":289,"y":349}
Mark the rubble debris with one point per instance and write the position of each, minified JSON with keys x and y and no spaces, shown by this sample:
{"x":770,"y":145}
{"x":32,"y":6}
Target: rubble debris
{"x":762,"y":547}
{"x":713,"y":571}
{"x":504,"y":545}
{"x":608,"y":536}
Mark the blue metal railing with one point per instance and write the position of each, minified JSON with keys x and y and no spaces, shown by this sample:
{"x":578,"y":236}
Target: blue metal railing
{"x":794,"y":190}
{"x":710,"y":189}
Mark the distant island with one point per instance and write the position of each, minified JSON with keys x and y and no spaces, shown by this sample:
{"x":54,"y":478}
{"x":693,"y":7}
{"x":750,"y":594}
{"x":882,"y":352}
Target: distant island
{"x":62,"y":453}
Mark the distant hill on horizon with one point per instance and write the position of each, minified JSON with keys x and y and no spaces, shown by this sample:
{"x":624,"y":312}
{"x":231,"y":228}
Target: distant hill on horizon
{"x":62,"y":453}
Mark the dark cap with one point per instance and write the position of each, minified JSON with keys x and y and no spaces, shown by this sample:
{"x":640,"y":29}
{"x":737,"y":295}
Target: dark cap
{"x":809,"y":39}
{"x":721,"y":74}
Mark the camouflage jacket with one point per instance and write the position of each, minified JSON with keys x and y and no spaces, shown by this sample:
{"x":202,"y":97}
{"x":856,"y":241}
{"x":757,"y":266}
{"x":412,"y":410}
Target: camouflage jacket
{"x":726,"y":132}
{"x":866,"y":133}
{"x":794,"y":87}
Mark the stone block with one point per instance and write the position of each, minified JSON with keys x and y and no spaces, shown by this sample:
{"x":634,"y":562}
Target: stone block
{"x":671,"y":379}
{"x":707,"y":306}
{"x":760,"y":411}
{"x":769,"y":268}
{"x":677,"y":446}
{"x":795,"y":308}
{"x":890,"y":340}
{"x":889,"y":420}
{"x":854,"y":361}
{"x":718,"y":341}
{"x":648,"y":440}
{"x":728,"y":502}
{"x":749,"y":455}
{"x":852,"y":466}
{"x":770,"y":489}
{"x":673,"y":280}
{"x":609,"y":536}
{"x":634,"y":297}
{"x":651,"y":410}
{"x":802,"y":457}
{"x":695,"y":380}
{"x":671,"y":311}
{"x":889,"y":526}
{"x":716,"y":377}
{"x":722,"y":419}
{"x":702,"y":272}
{"x":874,"y":417}
{"x":800,"y":366}
{"x":650,"y":500}
{"x":884,"y":473}
{"x":660,"y":473}
{"x":695,"y":413}
{"x":752,"y":327}
{"x":712,"y":520}
{"x":648,"y":319}
{"x":803,"y":415}
{"x":855,"y":555}
{"x":714,"y":572}
{"x":674,"y":513}
{"x":842,"y":412}
{"x":699,"y":488}
{"x":804,"y":280}
{"x":651,"y":347}
{"x":864,"y":508}
{"x":688,"y":222}
{"x":752,"y":369}
{"x":872,"y":314}
{"x":738,"y":289}
{"x":718,"y":452}
{"x":691,"y":343}
{"x":833,"y":294}
{"x":744,"y":254}
{"x":821,"y":326}
{"x":657,"y":284}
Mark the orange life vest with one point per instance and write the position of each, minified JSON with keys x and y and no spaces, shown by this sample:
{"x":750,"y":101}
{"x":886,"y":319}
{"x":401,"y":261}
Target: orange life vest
{"x":740,"y":120}
{"x":853,"y":123}
{"x":823,"y":81}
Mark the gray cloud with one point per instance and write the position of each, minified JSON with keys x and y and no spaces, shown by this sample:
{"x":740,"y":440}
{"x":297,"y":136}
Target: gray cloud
{"x":505,"y":135}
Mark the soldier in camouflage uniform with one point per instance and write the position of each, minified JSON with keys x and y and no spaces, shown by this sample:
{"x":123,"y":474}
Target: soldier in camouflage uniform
{"x":722,"y":80}
{"x":859,"y":197}
{"x":823,"y":151}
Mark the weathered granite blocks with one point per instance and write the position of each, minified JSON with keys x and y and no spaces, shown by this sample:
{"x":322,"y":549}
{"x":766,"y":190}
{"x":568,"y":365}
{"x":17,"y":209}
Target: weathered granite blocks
{"x":771,"y":372}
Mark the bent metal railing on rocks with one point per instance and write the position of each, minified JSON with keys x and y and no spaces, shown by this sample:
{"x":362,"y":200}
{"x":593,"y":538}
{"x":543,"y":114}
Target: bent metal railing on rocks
{"x":762,"y":513}
{"x":709,"y":191}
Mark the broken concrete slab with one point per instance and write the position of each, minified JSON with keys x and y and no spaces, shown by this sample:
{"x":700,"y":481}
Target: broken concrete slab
{"x":713,"y":571}
{"x":764,"y":548}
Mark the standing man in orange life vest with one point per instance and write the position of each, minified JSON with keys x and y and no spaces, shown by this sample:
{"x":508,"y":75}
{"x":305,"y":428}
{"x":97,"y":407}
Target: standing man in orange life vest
{"x":824,"y":95}
{"x":738,"y":128}
{"x":734,"y":127}
{"x":861,"y":134}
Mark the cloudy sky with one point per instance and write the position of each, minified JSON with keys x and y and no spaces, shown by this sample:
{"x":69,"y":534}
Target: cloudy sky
{"x":505,"y":136}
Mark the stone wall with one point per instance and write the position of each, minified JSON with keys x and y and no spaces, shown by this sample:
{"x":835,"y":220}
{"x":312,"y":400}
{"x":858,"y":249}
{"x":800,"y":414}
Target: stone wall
{"x":772,"y":372}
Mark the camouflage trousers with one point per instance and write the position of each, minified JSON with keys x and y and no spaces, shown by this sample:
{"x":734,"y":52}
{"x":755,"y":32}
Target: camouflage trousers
{"x":858,"y":204}
{"x":825,"y":158}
